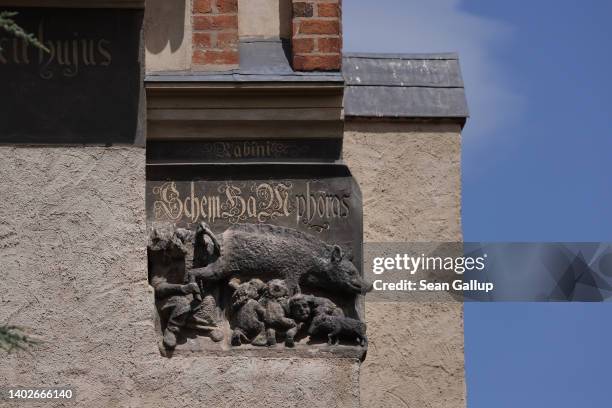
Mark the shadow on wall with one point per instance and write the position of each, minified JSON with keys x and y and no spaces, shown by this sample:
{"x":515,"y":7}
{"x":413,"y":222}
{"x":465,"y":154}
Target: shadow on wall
{"x":285,"y":10}
{"x":164,"y":25}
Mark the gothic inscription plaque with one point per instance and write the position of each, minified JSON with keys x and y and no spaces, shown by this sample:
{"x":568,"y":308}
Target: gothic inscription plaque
{"x":85,"y":89}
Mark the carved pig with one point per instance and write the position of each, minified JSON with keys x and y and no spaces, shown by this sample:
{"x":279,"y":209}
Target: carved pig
{"x":337,"y":327}
{"x":256,"y":250}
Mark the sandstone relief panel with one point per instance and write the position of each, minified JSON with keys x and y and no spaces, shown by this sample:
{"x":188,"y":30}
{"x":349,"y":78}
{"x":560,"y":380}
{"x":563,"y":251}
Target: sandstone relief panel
{"x":257,"y":266}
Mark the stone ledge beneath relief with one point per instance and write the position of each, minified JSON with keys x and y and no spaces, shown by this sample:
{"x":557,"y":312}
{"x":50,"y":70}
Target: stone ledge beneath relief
{"x":194,"y":348}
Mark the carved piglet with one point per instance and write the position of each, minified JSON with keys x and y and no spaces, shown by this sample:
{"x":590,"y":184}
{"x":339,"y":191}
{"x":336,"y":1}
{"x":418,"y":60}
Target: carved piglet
{"x":337,"y":327}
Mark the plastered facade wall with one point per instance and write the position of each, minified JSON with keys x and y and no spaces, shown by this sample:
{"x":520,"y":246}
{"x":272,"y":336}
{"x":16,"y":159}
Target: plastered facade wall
{"x":73,"y":251}
{"x":410,"y":177}
{"x":264,"y":18}
{"x":72,"y":245}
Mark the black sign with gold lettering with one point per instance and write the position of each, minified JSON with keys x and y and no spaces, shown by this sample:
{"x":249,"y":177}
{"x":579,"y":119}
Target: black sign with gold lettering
{"x":202,"y":151}
{"x":85,"y":90}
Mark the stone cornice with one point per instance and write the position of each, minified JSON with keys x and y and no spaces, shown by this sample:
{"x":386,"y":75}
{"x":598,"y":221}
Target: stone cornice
{"x":204,"y":111}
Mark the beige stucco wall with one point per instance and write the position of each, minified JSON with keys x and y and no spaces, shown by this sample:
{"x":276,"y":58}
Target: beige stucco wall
{"x":72,"y":244}
{"x":264,"y":18}
{"x":73,"y":251}
{"x":410,"y":177}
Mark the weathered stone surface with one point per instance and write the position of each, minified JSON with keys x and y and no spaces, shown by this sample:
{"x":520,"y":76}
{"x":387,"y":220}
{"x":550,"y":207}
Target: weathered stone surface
{"x":410,"y":179}
{"x":248,"y":382}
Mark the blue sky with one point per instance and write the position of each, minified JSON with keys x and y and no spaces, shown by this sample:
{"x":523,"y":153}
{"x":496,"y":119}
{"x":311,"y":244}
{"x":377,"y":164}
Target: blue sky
{"x":537,"y":166}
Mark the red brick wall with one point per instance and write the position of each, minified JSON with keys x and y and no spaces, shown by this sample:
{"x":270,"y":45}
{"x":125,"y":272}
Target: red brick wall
{"x":215,"y":34}
{"x":317,"y":35}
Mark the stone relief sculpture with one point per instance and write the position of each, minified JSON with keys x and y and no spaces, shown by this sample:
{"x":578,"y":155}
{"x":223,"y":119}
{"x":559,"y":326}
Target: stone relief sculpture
{"x":296,"y":257}
{"x":336,"y":327}
{"x":275,"y":302}
{"x":248,"y":314}
{"x":181,"y":304}
{"x":245,"y":286}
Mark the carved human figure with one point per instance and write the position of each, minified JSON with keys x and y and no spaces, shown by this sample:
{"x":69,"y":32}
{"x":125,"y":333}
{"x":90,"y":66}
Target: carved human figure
{"x":300,"y":311}
{"x":302,"y":308}
{"x":167,"y":275}
{"x":321,"y":306}
{"x":177,"y":300}
{"x":247,"y":313}
{"x":275,"y":303}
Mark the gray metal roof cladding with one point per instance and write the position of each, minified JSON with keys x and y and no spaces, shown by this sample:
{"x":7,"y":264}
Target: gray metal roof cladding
{"x":404,"y":86}
{"x":422,"y":86}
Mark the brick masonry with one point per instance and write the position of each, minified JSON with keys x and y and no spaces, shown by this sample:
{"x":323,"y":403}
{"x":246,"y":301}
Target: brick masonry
{"x":317,"y":35}
{"x":215,"y":34}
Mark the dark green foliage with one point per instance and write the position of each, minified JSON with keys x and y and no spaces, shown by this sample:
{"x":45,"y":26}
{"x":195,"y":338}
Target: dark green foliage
{"x":9,"y":25}
{"x":11,"y":338}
